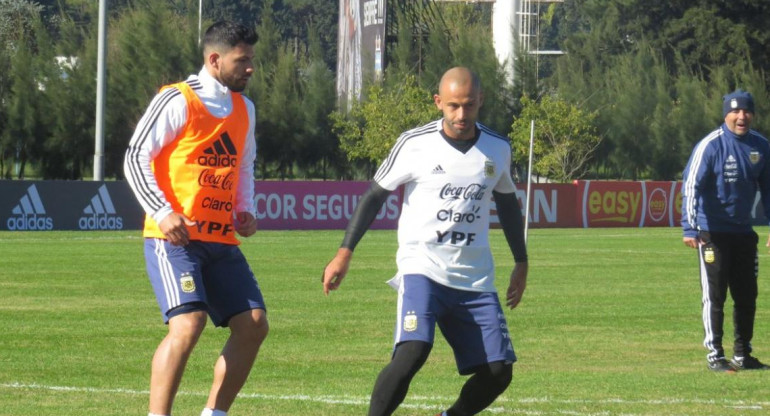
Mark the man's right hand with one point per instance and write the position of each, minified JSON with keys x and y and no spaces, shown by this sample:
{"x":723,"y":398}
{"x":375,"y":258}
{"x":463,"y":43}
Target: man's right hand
{"x":336,"y":270}
{"x":174,"y":227}
{"x":692,"y":242}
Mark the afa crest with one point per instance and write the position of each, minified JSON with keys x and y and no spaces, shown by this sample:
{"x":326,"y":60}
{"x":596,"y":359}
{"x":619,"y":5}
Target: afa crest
{"x":410,"y":322}
{"x":489,"y":168}
{"x":708,"y":255}
{"x":754,"y":156}
{"x":187,"y":282}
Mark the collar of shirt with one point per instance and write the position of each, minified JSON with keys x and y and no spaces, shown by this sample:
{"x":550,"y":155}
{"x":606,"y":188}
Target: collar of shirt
{"x":215,"y":96}
{"x":729,"y":134}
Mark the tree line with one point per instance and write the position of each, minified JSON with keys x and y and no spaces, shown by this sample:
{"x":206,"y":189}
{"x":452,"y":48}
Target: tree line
{"x":640,"y":82}
{"x":47,"y":104}
{"x":654,"y":72}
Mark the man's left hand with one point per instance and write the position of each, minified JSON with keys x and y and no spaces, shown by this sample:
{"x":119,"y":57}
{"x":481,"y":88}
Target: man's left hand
{"x":518,"y":284}
{"x":245,"y":224}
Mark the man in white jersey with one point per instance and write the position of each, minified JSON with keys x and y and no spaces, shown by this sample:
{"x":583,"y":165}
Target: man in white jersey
{"x":450,"y":168}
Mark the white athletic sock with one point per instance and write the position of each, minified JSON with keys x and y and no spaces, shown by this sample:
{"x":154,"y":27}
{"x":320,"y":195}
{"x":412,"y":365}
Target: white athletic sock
{"x":213,"y":412}
{"x":154,"y":414}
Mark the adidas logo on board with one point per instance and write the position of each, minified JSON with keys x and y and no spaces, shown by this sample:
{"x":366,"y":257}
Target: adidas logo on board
{"x":99,"y":214}
{"x":29,"y":214}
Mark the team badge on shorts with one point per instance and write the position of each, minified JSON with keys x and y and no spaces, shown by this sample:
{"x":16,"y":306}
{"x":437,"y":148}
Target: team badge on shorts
{"x":754,"y":156}
{"x":708,"y":255}
{"x":410,"y":322}
{"x":489,"y":168}
{"x":187,"y":282}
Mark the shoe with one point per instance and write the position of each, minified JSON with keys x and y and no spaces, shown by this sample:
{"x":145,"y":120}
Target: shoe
{"x":748,"y":363}
{"x":720,"y":365}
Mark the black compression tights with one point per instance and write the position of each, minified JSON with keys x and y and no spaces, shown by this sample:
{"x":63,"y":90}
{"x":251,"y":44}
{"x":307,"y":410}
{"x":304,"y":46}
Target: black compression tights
{"x":393,"y":382}
{"x":489,"y":381}
{"x":390,"y":389}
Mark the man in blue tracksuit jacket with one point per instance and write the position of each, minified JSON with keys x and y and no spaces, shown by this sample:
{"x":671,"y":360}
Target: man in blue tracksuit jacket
{"x":720,"y":183}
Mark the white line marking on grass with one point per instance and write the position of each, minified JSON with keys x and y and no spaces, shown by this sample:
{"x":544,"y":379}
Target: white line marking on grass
{"x":410,"y":402}
{"x":292,"y":397}
{"x":49,"y":238}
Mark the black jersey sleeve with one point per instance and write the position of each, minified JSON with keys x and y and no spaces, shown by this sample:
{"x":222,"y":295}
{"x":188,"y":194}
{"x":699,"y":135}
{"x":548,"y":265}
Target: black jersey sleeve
{"x":364,"y":214}
{"x":509,"y":214}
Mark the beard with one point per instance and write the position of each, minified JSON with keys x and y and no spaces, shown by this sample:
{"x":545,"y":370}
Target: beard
{"x":237,"y":85}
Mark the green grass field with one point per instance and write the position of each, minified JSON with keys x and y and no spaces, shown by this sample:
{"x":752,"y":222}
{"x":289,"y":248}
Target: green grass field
{"x":610,"y":324}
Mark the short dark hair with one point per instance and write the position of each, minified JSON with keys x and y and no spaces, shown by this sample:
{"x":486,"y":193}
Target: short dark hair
{"x":228,"y":33}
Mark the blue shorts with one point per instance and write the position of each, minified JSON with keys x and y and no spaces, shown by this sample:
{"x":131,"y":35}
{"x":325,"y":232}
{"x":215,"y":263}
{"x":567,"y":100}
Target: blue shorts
{"x":213,"y":275}
{"x":473,"y":323}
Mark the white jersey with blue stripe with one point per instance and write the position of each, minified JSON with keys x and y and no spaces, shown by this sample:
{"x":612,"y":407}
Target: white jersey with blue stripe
{"x":444,"y":225}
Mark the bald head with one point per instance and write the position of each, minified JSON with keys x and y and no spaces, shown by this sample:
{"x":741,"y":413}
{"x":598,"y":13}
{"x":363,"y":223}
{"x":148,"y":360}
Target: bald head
{"x":459,"y":99}
{"x":459,"y":77}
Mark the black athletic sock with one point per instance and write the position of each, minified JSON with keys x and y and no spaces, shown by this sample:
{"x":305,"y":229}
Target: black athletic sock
{"x":482,"y":389}
{"x":393,"y":382}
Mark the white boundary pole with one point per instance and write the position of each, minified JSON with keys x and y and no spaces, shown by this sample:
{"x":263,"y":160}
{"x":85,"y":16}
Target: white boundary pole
{"x":200,"y":18}
{"x":101,"y":74}
{"x":529,"y":179}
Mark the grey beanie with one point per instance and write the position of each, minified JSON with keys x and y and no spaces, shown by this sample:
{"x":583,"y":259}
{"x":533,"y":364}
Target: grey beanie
{"x":738,"y":99}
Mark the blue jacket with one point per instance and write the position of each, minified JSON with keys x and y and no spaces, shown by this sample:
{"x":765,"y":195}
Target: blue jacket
{"x":720,"y":182}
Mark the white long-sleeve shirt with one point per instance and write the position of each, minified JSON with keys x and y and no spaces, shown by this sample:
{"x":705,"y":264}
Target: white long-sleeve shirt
{"x":159,"y":126}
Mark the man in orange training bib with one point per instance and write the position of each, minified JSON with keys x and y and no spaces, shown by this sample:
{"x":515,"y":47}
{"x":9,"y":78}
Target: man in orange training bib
{"x":191,"y":163}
